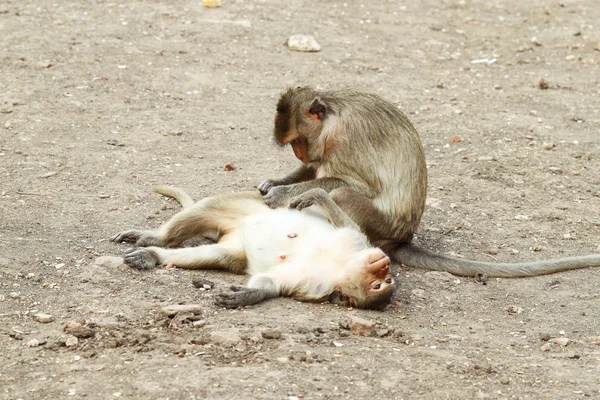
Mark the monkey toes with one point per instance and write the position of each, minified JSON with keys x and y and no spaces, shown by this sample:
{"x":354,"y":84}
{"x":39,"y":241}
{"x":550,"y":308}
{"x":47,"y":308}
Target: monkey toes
{"x":141,"y":258}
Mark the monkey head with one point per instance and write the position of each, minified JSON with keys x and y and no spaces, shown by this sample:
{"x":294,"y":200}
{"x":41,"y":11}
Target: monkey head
{"x":301,"y":113}
{"x":368,"y":284}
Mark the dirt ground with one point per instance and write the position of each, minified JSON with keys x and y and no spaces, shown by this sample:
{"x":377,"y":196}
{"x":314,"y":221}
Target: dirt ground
{"x":100,"y":101}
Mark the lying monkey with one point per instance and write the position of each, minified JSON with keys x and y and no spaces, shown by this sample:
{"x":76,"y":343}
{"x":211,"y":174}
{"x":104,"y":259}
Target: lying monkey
{"x":287,"y":252}
{"x":367,"y":155}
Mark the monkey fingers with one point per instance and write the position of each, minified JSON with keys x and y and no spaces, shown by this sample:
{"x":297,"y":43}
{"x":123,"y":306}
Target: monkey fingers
{"x":139,"y":238}
{"x":131,"y":236}
{"x":140,"y":258}
{"x":267,"y":185}
{"x":278,"y":196}
{"x":242,"y":296}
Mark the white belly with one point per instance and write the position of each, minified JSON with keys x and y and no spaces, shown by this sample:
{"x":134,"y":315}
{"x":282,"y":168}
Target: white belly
{"x":278,"y":236}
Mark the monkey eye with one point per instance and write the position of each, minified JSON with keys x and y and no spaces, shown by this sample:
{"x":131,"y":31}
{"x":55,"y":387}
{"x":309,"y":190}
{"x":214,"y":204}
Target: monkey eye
{"x":376,"y":286}
{"x":388,"y":279}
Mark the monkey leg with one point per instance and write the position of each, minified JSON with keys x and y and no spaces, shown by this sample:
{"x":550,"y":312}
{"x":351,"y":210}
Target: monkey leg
{"x":211,"y":218}
{"x":279,"y":196}
{"x":227,"y":254}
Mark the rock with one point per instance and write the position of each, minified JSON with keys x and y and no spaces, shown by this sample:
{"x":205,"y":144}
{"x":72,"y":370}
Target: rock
{"x":546,"y":346}
{"x":71,"y":341}
{"x":563,"y":341}
{"x":172,"y":310}
{"x":360,"y":326}
{"x":109,"y":261}
{"x":229,"y":337}
{"x":305,"y":43}
{"x":199,"y":324}
{"x":383,"y":332}
{"x":418,"y":293}
{"x":591,"y":339}
{"x":202,"y":283}
{"x":43,"y":318}
{"x":271,"y":334}
{"x":505,"y":380}
{"x":33,"y":343}
{"x":514,"y":310}
{"x":80,"y":331}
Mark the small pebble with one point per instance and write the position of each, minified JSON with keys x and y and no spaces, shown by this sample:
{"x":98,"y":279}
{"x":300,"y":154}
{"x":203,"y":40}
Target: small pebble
{"x":514,"y":310}
{"x":72,"y":341}
{"x":271,"y":334}
{"x":493,"y":251}
{"x":172,"y":310}
{"x":563,"y":341}
{"x":304,"y":43}
{"x":360,"y":326}
{"x":546,"y":346}
{"x":108,"y":261}
{"x":43,"y":318}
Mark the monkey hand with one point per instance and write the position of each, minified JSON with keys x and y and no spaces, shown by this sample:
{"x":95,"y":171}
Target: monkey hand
{"x":242,"y":296}
{"x":265,"y":186}
{"x":308,"y":198}
{"x":278,"y":196}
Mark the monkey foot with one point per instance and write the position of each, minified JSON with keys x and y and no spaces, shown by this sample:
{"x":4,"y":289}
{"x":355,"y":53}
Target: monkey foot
{"x":141,"y":258}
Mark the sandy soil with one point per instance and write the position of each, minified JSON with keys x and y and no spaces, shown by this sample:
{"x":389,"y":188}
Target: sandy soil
{"x":100,"y":101}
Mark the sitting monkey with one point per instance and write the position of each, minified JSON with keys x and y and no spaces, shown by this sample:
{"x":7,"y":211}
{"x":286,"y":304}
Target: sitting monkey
{"x":309,"y":253}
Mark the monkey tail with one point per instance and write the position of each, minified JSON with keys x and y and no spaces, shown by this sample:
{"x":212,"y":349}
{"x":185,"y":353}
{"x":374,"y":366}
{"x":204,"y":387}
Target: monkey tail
{"x":413,"y":256}
{"x":175,"y":193}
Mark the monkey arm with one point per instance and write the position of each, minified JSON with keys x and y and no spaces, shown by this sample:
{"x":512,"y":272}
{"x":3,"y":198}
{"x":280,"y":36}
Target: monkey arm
{"x":260,"y":287}
{"x":336,"y":216}
{"x":301,"y":174}
{"x":280,"y":196}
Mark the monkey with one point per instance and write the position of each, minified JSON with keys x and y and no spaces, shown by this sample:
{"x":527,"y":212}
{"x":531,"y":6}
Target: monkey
{"x":367,"y":155}
{"x":312,"y":251}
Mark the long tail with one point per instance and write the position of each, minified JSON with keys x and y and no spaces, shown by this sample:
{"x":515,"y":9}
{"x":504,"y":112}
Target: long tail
{"x":414,"y":256}
{"x":178,"y":194}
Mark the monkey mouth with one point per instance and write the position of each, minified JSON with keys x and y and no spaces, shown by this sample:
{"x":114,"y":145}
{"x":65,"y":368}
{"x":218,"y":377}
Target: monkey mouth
{"x":381,"y":264}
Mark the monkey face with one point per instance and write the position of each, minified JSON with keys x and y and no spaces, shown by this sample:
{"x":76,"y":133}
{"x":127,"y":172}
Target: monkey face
{"x":369,"y":284}
{"x":377,"y":276}
{"x":299,"y":122}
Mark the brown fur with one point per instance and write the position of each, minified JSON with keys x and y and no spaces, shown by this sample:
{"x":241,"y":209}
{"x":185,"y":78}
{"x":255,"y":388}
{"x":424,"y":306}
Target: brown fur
{"x":286,"y":252}
{"x":368,"y":156}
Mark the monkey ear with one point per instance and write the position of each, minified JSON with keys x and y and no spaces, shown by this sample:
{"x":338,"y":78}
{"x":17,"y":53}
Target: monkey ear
{"x":318,"y":109}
